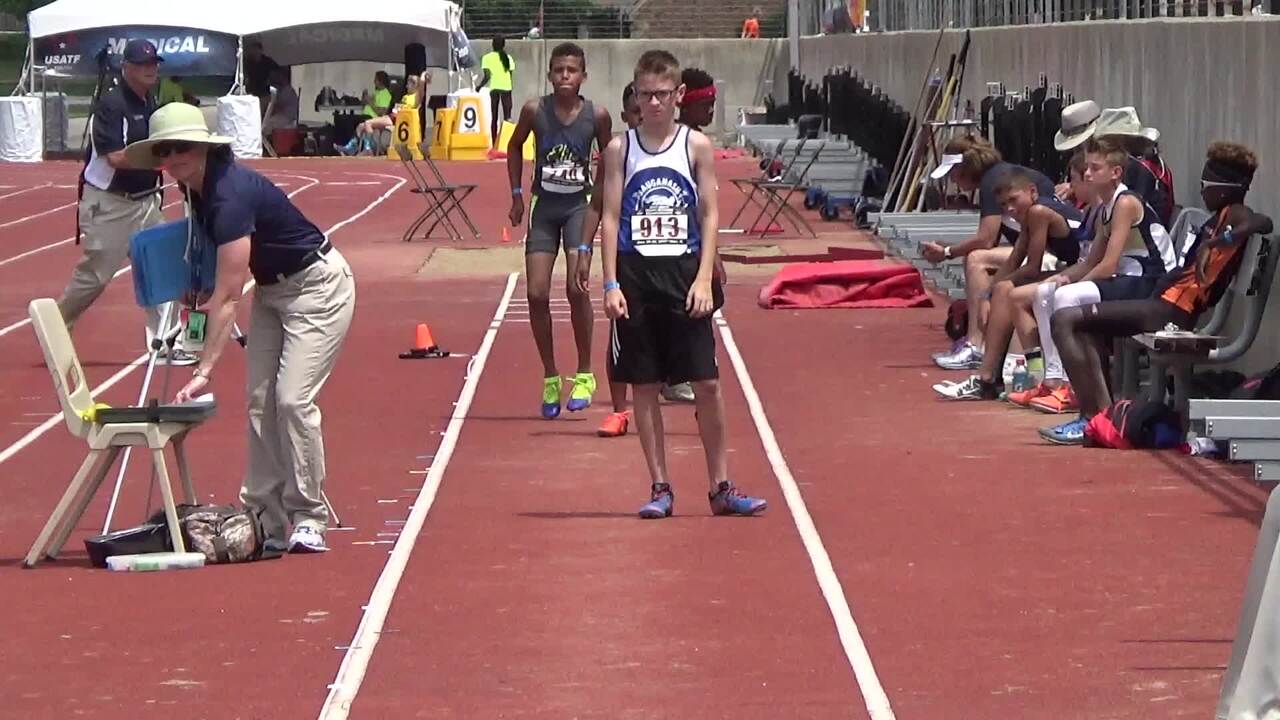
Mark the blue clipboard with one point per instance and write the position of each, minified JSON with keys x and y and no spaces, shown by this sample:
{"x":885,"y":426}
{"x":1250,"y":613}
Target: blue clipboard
{"x":167,"y":265}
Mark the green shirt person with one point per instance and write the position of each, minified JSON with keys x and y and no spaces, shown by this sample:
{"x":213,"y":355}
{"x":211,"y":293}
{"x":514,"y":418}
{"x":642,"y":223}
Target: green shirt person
{"x":499,"y":74}
{"x":170,"y":91}
{"x":381,"y":103}
{"x":498,"y":68}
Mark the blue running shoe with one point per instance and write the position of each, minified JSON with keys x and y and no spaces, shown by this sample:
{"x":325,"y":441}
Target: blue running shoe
{"x":584,"y":386}
{"x":551,"y":397}
{"x":728,"y":501}
{"x":1068,"y":433}
{"x":661,"y":503}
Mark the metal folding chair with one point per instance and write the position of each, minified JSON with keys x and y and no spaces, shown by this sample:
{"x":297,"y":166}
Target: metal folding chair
{"x":438,"y":200}
{"x":751,"y":186}
{"x":779,"y":193}
{"x":452,"y":195}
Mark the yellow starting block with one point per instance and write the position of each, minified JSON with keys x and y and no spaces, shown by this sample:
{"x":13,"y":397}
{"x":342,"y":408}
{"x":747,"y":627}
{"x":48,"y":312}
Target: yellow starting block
{"x":504,"y":139}
{"x":469,"y":138}
{"x":407,"y":131}
{"x":443,"y":132}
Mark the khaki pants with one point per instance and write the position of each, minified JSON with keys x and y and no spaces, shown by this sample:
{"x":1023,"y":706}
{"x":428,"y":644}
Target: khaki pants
{"x":108,"y":222}
{"x":1251,"y":685}
{"x":296,"y":328}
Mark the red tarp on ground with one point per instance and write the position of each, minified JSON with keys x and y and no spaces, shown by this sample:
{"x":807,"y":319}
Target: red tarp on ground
{"x":845,"y":284}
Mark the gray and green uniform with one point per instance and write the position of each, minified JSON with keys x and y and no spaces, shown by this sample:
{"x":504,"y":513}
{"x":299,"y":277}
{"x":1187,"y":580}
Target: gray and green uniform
{"x":561,"y":177}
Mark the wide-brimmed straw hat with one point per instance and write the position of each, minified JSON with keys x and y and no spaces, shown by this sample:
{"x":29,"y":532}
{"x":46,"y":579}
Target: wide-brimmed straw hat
{"x":175,"y":122}
{"x":1079,"y":120}
{"x":1124,"y":121}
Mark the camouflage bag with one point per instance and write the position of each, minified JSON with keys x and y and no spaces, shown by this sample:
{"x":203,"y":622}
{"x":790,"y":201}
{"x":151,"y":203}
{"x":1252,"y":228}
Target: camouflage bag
{"x":222,"y":533}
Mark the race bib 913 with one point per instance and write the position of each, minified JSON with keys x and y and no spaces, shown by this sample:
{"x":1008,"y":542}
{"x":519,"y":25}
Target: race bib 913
{"x":660,"y":234}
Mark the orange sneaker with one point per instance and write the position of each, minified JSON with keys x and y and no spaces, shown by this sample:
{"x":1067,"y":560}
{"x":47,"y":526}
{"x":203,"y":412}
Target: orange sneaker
{"x":615,"y":424}
{"x":1024,"y":398}
{"x":1057,"y":402}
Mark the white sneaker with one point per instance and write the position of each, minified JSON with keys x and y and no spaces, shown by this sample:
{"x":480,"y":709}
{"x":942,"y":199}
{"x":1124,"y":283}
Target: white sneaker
{"x":307,"y":539}
{"x":177,"y":357}
{"x":682,"y":392}
{"x":967,"y":357}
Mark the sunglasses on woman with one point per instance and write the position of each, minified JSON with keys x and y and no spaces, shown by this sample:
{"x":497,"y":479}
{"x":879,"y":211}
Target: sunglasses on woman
{"x":177,"y":147}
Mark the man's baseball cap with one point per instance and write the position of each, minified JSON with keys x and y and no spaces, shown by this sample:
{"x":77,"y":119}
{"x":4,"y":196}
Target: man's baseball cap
{"x":141,"y":52}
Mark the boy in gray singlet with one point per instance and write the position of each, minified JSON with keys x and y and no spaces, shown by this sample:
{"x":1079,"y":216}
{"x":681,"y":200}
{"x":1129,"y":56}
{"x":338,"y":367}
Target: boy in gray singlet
{"x":565,"y":127}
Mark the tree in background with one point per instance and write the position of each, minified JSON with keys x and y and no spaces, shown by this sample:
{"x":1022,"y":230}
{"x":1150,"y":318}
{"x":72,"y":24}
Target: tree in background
{"x":20,"y":8}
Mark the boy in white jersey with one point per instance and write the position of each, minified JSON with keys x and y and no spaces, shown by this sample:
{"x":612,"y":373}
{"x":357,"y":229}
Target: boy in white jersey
{"x":659,"y":243}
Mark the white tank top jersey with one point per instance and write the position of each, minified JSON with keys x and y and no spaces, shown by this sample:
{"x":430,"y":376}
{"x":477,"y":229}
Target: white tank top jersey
{"x":659,"y":215}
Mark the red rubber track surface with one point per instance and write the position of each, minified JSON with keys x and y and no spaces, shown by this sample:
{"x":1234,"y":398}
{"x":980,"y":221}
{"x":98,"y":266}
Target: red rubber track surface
{"x":990,"y":575}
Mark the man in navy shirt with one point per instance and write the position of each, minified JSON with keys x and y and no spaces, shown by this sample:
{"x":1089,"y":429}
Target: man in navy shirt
{"x":118,"y":199}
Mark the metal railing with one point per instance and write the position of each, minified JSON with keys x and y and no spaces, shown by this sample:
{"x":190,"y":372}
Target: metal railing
{"x":932,"y":14}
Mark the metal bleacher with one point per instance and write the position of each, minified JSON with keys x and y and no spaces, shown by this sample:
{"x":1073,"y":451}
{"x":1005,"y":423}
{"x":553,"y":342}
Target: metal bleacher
{"x":903,"y":233}
{"x":1251,"y":429}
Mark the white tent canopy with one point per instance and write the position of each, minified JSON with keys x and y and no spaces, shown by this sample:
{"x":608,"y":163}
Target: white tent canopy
{"x":292,"y":32}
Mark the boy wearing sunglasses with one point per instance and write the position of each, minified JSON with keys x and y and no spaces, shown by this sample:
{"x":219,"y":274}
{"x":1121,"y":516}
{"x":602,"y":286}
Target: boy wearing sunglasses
{"x":659,"y":243}
{"x":1179,"y":297}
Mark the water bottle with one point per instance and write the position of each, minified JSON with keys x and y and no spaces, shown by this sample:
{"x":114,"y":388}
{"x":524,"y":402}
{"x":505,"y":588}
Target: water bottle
{"x":1021,"y":378}
{"x":153,"y":562}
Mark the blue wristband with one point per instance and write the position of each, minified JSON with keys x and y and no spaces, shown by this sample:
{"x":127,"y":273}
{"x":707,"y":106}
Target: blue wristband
{"x":611,"y":285}
{"x":584,"y":249}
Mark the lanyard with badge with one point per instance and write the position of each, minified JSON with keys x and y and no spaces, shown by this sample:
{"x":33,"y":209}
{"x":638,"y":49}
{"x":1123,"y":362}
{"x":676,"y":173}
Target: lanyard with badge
{"x":195,"y":321}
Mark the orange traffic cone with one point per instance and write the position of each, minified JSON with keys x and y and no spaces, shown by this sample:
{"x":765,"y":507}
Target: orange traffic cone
{"x":424,"y":345}
{"x":506,"y":234}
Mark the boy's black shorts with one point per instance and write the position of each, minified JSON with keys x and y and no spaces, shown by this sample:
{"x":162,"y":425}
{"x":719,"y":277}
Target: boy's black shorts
{"x":660,"y":342}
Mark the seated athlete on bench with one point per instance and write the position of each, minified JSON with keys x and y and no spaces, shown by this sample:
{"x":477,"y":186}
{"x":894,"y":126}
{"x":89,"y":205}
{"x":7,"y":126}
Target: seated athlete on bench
{"x":1179,"y":297}
{"x":1049,"y":227}
{"x":974,"y":164}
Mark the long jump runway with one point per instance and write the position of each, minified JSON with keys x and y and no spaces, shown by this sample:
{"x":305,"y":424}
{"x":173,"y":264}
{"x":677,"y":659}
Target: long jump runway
{"x":917,"y":560}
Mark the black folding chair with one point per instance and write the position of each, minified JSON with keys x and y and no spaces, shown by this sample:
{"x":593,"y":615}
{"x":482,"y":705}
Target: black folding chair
{"x":454,"y":194}
{"x":777,"y":196}
{"x":751,"y":186}
{"x":441,"y":200}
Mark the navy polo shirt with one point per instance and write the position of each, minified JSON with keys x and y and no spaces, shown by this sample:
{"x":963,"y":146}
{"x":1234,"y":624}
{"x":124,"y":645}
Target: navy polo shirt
{"x":237,"y":201}
{"x":121,"y":117}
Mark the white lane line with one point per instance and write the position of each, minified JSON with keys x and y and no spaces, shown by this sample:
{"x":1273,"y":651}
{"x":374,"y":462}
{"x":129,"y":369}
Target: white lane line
{"x":27,"y":321}
{"x":60,"y":243}
{"x":35,"y":434}
{"x":342,"y":693}
{"x":855,"y":649}
{"x":50,"y":211}
{"x":15,"y":193}
{"x":44,"y":427}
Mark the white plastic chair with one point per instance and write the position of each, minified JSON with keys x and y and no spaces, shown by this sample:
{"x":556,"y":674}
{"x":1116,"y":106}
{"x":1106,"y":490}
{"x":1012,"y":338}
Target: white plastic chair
{"x":105,"y":437}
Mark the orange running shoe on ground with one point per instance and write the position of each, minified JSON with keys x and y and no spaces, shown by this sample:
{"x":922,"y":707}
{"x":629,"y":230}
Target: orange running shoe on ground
{"x":1024,"y":398}
{"x":615,"y":424}
{"x":1057,"y":402}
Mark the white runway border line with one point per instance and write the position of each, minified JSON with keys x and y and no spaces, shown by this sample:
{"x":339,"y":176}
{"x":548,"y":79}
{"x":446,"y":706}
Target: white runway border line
{"x":355,"y":662}
{"x":873,"y":694}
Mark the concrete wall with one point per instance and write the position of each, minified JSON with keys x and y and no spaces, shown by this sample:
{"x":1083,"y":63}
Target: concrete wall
{"x":1196,"y":80}
{"x":746,"y":70}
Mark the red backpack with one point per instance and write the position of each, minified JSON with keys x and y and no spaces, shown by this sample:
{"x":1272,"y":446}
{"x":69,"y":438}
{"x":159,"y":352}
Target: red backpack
{"x":1134,"y":424}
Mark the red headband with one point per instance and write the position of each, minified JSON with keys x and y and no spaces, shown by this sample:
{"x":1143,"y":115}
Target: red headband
{"x":693,"y":96}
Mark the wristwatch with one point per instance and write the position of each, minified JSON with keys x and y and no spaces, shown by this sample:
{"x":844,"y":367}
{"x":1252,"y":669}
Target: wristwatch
{"x":946,"y":252}
{"x":517,"y":192}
